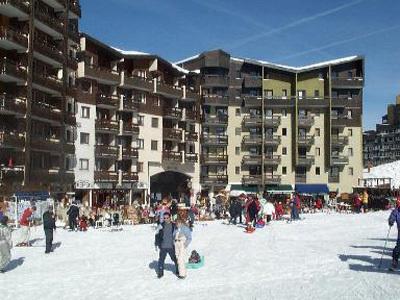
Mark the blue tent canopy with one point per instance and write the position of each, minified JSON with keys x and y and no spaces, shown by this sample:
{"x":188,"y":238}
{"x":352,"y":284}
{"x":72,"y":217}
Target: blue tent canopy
{"x":36,"y":196}
{"x":312,"y":189}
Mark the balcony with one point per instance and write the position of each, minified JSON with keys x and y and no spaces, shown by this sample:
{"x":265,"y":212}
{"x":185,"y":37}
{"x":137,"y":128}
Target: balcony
{"x":305,"y":121}
{"x":46,"y":176}
{"x":344,"y":101}
{"x":129,"y":128}
{"x":172,"y":113}
{"x":46,"y":144}
{"x":252,"y":121}
{"x":73,"y":35}
{"x":172,"y":134}
{"x":214,"y":159}
{"x":190,"y":115}
{"x":51,"y":25}
{"x":215,"y":81}
{"x":252,"y":101}
{"x":106,"y":151}
{"x":340,"y":120}
{"x":48,"y":53}
{"x":214,"y":140}
{"x":191,"y":136}
{"x":279,"y":101}
{"x":13,"y":39}
{"x":70,"y":119}
{"x":250,"y":140}
{"x":270,"y":121}
{"x":250,"y":160}
{"x":169,"y":91}
{"x":173,"y":156}
{"x":339,"y":160}
{"x":14,"y":9}
{"x":10,"y":105}
{"x":43,"y":111}
{"x":130,"y":153}
{"x":344,"y":82}
{"x":252,"y":81}
{"x":221,"y":120}
{"x":313,"y":102}
{"x":11,"y":140}
{"x":215,"y":100}
{"x":272,"y":140}
{"x":272,"y":160}
{"x":107,"y":101}
{"x":101,"y":74}
{"x":339,"y":140}
{"x":189,"y":95}
{"x":305,"y":140}
{"x":72,"y":63}
{"x":305,"y":160}
{"x":257,"y":179}
{"x":136,"y":82}
{"x":333,"y":178}
{"x":107,"y":126}
{"x":213,"y":179}
{"x":11,"y":71}
{"x":191,"y":158}
{"x":300,"y":178}
{"x":105,"y":176}
{"x":129,"y":105}
{"x":48,"y":84}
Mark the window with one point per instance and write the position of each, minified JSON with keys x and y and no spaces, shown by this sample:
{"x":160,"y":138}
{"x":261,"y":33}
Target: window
{"x":237,"y":150}
{"x":284,"y":171}
{"x":70,"y":136}
{"x":154,"y":122}
{"x":84,"y":138}
{"x":351,"y":171}
{"x":350,"y":132}
{"x":284,"y":112}
{"x":350,"y":152}
{"x":238,"y":131}
{"x":349,"y":74}
{"x":69,"y":163}
{"x":269,"y":94}
{"x":84,"y":164}
{"x":284,"y":131}
{"x":316,"y":93}
{"x":237,"y":112}
{"x":301,"y":94}
{"x":284,"y":93}
{"x":317,"y":132}
{"x":318,"y":151}
{"x":154,"y":145}
{"x":284,"y":151}
{"x":317,"y":171}
{"x":140,"y":120}
{"x":140,"y":143}
{"x":85,"y":112}
{"x":139,"y":167}
{"x":237,"y":170}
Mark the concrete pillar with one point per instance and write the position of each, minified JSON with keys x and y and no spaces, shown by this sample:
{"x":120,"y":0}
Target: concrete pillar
{"x":90,"y":198}
{"x":130,"y":196}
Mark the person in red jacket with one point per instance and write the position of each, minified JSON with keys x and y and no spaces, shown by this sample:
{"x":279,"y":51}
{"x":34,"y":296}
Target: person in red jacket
{"x":25,"y":223}
{"x":278,"y":210}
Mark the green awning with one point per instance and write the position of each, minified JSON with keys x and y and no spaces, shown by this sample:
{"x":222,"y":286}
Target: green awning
{"x":279,"y":188}
{"x":245,"y":188}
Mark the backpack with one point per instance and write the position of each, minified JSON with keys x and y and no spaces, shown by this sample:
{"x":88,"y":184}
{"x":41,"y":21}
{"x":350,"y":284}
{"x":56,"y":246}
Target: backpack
{"x":194,"y":257}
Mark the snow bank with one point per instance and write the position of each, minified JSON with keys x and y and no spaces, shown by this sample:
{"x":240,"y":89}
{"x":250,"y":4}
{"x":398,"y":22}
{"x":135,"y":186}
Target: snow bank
{"x":389,"y":170}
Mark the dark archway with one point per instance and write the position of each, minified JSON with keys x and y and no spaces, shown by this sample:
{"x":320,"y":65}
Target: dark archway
{"x":169,"y":183}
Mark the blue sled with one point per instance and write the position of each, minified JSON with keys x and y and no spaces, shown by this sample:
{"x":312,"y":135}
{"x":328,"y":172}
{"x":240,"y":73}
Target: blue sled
{"x":196,"y":266}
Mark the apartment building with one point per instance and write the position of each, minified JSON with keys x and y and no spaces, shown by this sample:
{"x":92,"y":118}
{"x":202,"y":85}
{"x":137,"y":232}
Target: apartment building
{"x":266,"y":124}
{"x":382,"y":144}
{"x":137,"y":125}
{"x":38,"y":44}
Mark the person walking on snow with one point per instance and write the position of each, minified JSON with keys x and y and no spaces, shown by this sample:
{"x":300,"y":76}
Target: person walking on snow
{"x":5,"y":243}
{"x":395,"y":218}
{"x":183,"y":237}
{"x":73,"y":214}
{"x":49,"y":225}
{"x":25,"y":222}
{"x":164,"y":240}
{"x":269,"y":211}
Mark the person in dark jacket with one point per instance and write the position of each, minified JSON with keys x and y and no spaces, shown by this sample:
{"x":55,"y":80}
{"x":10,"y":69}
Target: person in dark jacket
{"x":73,"y":214}
{"x":252,"y":211}
{"x":395,"y":218}
{"x":164,"y":240}
{"x":49,"y":225}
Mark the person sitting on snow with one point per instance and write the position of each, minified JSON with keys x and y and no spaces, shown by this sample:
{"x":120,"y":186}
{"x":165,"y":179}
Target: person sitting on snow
{"x":5,"y":243}
{"x":395,"y":217}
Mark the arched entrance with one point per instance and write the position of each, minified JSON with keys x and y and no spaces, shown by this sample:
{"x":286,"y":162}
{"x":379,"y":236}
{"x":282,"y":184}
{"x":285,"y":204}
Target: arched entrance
{"x":168,"y":183}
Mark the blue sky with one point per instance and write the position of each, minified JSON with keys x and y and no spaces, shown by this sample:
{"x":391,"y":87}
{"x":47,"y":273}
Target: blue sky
{"x":288,"y":31}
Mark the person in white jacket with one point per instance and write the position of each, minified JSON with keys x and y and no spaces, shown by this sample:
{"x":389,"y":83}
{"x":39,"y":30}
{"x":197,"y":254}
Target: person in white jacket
{"x":5,"y":244}
{"x":269,"y":211}
{"x":182,"y":237}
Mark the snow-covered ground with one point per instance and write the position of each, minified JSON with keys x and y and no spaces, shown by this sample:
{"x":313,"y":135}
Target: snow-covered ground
{"x":389,"y":170}
{"x":321,"y":257}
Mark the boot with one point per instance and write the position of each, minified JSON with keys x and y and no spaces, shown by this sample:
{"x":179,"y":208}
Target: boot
{"x":160,"y":274}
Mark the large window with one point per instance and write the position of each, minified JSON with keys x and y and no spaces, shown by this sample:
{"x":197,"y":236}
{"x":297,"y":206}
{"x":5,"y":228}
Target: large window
{"x":83,"y":164}
{"x":85,"y":112}
{"x":84,"y":138}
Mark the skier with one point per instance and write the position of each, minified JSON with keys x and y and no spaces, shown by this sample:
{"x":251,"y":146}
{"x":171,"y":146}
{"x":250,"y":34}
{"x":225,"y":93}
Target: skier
{"x":183,"y":237}
{"x":73,"y":214}
{"x":25,"y":223}
{"x":5,"y":244}
{"x":164,"y":240}
{"x":395,"y":217}
{"x":49,"y":225}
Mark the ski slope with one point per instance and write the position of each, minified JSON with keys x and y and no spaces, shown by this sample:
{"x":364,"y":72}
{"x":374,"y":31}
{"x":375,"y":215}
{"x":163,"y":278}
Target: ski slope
{"x":321,"y":257}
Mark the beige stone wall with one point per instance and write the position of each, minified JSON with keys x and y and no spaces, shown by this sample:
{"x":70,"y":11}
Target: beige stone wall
{"x":233,"y":142}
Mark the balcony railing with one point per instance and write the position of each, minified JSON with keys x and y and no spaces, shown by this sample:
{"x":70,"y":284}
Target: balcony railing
{"x":270,"y":159}
{"x":305,"y":121}
{"x":252,"y":81}
{"x":257,"y":179}
{"x":191,"y":157}
{"x":107,"y":125}
{"x":130,"y":176}
{"x":221,"y":120}
{"x":169,"y":90}
{"x":101,"y":73}
{"x":14,"y":36}
{"x":252,"y":139}
{"x":136,"y":82}
{"x":221,"y":140}
{"x":347,"y":82}
{"x":105,"y":176}
{"x":172,"y":156}
{"x":46,"y":144}
{"x":212,"y":179}
{"x":215,"y":100}
{"x":172,"y":113}
{"x":190,"y":115}
{"x":13,"y":69}
{"x":191,"y":136}
{"x":339,"y":160}
{"x":272,"y":140}
{"x":339,"y":140}
{"x":252,"y":159}
{"x":107,"y":100}
{"x":130,"y":104}
{"x":215,"y":81}
{"x":305,"y":140}
{"x":50,"y":175}
{"x":45,"y":111}
{"x":333,"y":178}
{"x":305,"y":160}
{"x":130,"y":153}
{"x":48,"y":50}
{"x":210,"y":159}
{"x":51,"y":21}
{"x":73,"y":35}
{"x":300,"y":178}
{"x":69,"y":147}
{"x":10,"y":104}
{"x":106,"y":151}
{"x":172,"y":134}
{"x":130,"y":128}
{"x":49,"y":82}
{"x":70,"y":119}
{"x":18,"y":4}
{"x":11,"y":140}
{"x":190,"y":95}
{"x":252,"y":101}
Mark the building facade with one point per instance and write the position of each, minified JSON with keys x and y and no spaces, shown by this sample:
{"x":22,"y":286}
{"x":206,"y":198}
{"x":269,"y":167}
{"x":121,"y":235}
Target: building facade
{"x":38,"y":44}
{"x":266,"y":124}
{"x":382,"y":144}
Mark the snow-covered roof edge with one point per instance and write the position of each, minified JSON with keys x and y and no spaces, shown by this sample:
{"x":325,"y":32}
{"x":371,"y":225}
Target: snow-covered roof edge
{"x":132,"y":52}
{"x":187,"y":59}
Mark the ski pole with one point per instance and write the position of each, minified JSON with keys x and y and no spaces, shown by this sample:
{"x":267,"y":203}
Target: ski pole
{"x":384,"y":247}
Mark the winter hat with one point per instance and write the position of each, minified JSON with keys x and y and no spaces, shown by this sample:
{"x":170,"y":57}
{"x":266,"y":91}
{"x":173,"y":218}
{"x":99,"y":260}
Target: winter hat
{"x":398,"y":202}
